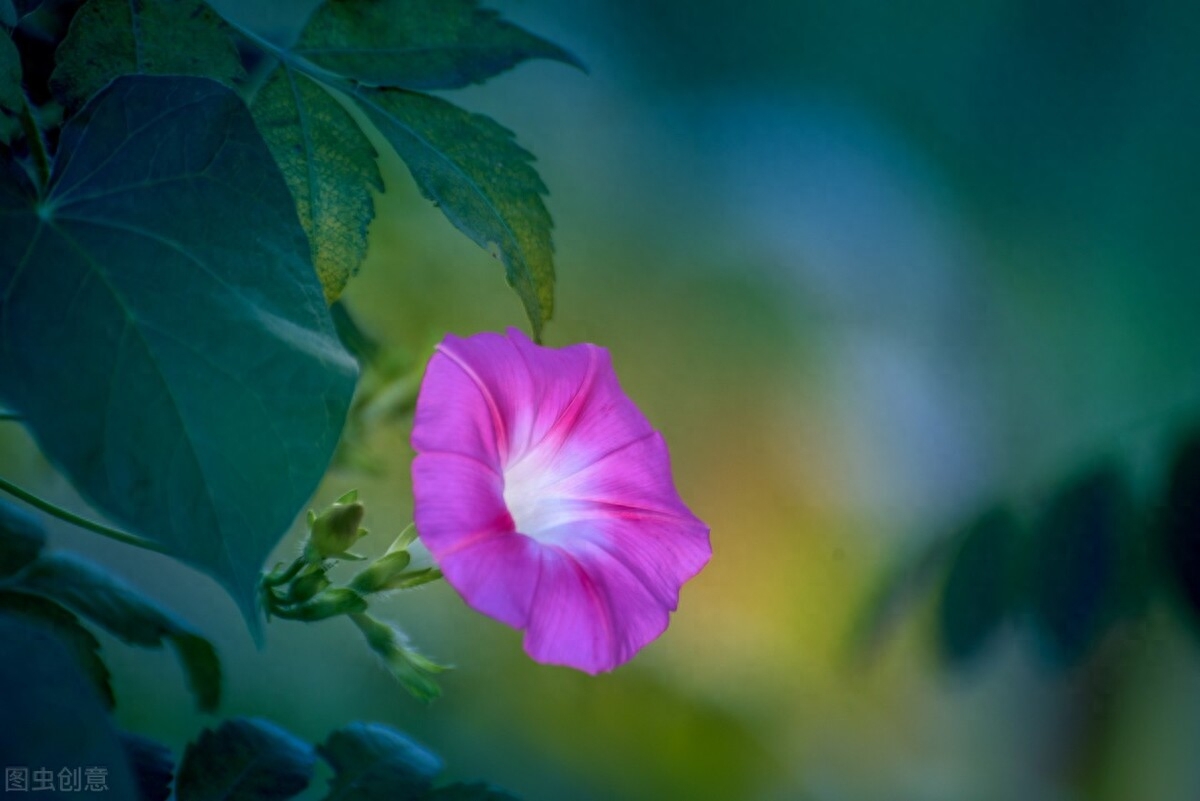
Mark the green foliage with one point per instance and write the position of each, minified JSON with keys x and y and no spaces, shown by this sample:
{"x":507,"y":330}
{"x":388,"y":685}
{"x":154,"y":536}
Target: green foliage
{"x":8,"y":14}
{"x":418,"y":44}
{"x":21,"y":539}
{"x":52,"y":715}
{"x":1180,"y":526}
{"x":152,"y":766}
{"x":58,"y":622}
{"x":167,"y":415}
{"x":111,"y":38}
{"x":329,"y":166}
{"x":977,"y":593}
{"x":372,"y":762}
{"x":244,"y":760}
{"x":410,"y":667}
{"x":1072,"y":573}
{"x":126,"y":614}
{"x":481,"y":180}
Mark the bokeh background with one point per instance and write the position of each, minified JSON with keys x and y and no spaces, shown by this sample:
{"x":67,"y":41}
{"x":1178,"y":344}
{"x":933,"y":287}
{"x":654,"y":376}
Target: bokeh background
{"x":869,"y":267}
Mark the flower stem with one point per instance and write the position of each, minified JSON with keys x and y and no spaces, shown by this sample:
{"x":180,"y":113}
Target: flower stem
{"x":75,"y":520}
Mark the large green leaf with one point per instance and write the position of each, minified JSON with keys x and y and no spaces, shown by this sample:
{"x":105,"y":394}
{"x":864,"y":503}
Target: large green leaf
{"x":977,"y":594}
{"x":418,"y":44}
{"x":126,"y":614}
{"x":51,"y":716}
{"x":21,"y":539}
{"x":1073,"y":574}
{"x":109,"y":38}
{"x":162,"y":330}
{"x":8,"y":14}
{"x":480,"y":178}
{"x":80,"y":642}
{"x":329,"y":165}
{"x":244,"y":759}
{"x":372,"y":762}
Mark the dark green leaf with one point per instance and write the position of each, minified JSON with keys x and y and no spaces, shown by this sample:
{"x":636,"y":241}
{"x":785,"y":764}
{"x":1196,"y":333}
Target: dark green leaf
{"x":21,"y":538}
{"x":244,"y":759}
{"x":365,"y":347}
{"x":52,"y":717}
{"x":152,"y":766}
{"x":330,"y":167}
{"x":469,"y":792}
{"x":203,"y":425}
{"x":1181,"y":524}
{"x":110,"y":38}
{"x":977,"y":594}
{"x":8,"y":14}
{"x":418,"y":44}
{"x":1073,"y":573}
{"x":11,"y":97}
{"x":126,"y":614}
{"x":84,"y":647}
{"x":481,"y":179}
{"x":372,"y":762}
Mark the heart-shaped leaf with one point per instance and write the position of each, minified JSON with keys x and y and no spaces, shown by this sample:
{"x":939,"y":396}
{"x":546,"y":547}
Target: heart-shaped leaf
{"x":162,"y":330}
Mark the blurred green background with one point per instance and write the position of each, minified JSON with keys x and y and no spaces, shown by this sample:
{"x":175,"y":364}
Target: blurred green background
{"x":869,"y":267}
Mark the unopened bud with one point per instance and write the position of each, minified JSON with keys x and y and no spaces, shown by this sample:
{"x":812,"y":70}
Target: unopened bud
{"x":332,"y":532}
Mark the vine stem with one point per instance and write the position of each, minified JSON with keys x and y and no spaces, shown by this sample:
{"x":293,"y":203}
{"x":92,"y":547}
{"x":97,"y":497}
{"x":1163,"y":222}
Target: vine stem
{"x":75,"y":520}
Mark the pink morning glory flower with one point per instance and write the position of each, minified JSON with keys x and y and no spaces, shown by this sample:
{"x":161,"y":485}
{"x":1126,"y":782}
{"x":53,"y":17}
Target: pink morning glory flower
{"x":546,"y":498}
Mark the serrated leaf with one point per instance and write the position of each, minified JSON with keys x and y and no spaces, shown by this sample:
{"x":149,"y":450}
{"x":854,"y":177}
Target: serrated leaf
{"x":202,"y":425}
{"x":51,"y":716}
{"x":81,"y":643}
{"x":21,"y":538}
{"x":977,"y":593}
{"x":110,"y":38}
{"x":373,"y":762}
{"x":1180,"y":527}
{"x":329,"y":165}
{"x":244,"y":759}
{"x":471,"y":168}
{"x":152,"y":766}
{"x":469,"y":792}
{"x":126,"y":614}
{"x":11,"y":96}
{"x":418,"y":44}
{"x":1073,"y":571}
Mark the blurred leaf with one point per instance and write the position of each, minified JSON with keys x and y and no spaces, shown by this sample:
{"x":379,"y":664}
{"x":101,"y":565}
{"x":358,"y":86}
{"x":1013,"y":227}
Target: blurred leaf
{"x":329,"y":166}
{"x":110,"y":38}
{"x":244,"y":759}
{"x":471,"y":168}
{"x":152,"y":766}
{"x":977,"y":593}
{"x":373,"y":762}
{"x":126,"y":614}
{"x":1181,"y":524}
{"x":82,"y":644}
{"x":11,"y":97}
{"x":21,"y":538}
{"x":469,"y":792}
{"x":418,"y":44}
{"x":8,"y":14}
{"x":361,"y":344}
{"x":204,"y":425}
{"x":1073,"y":562}
{"x":51,"y":714}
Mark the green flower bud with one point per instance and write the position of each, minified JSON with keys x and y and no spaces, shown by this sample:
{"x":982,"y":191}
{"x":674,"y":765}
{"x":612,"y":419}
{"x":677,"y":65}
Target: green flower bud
{"x":412,"y":669}
{"x":305,"y":586}
{"x":329,"y":603}
{"x":381,"y":573}
{"x":332,"y":532}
